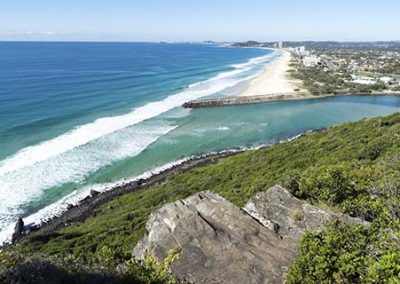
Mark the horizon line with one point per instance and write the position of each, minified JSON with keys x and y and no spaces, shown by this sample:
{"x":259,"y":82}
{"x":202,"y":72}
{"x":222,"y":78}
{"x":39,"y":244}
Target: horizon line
{"x":195,"y":41}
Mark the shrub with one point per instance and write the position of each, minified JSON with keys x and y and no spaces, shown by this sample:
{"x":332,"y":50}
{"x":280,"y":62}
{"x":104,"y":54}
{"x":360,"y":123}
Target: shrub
{"x":347,"y":254}
{"x":328,"y":184}
{"x":150,"y":271}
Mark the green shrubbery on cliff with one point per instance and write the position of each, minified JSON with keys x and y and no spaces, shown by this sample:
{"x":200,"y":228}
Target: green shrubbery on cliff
{"x":352,"y":254}
{"x":18,"y":267}
{"x":353,"y":168}
{"x":347,"y":254}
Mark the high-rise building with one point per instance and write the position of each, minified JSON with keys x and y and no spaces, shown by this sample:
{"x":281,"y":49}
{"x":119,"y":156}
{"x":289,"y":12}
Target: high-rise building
{"x":280,"y":44}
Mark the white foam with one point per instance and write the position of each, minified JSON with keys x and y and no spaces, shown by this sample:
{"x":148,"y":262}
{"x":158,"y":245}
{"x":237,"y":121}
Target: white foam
{"x":28,"y":184}
{"x":83,"y":134}
{"x":223,"y":128}
{"x":71,"y":157}
{"x":194,"y":84}
{"x":257,"y":60}
{"x":57,"y":208}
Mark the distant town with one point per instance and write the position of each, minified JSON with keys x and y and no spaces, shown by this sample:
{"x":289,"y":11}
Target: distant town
{"x":342,"y":67}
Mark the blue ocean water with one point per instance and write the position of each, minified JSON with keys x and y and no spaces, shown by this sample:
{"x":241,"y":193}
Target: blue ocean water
{"x":48,"y":88}
{"x":82,"y":116}
{"x":59,"y":99}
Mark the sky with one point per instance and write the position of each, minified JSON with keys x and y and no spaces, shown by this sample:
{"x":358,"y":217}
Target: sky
{"x":197,"y":20}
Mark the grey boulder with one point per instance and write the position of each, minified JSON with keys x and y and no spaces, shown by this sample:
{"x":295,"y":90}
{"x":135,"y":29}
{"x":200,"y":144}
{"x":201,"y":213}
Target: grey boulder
{"x":221,"y":243}
{"x":218,"y":242}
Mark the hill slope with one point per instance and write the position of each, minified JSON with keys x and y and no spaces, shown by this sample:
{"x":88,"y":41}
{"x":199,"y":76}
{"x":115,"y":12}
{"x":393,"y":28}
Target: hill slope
{"x":353,"y":168}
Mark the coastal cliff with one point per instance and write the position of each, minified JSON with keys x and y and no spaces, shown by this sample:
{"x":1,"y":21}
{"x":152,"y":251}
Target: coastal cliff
{"x":350,"y":172}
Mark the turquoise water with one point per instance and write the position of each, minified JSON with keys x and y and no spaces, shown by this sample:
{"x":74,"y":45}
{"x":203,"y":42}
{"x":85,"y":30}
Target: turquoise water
{"x":205,"y":130}
{"x":91,"y":136}
{"x":68,"y":111}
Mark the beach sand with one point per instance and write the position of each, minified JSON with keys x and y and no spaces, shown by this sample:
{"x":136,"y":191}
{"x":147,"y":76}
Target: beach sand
{"x":275,"y":79}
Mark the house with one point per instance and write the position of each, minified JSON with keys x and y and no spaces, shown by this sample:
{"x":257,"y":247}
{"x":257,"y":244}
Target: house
{"x":387,"y":80}
{"x":310,"y":61}
{"x":363,"y":80}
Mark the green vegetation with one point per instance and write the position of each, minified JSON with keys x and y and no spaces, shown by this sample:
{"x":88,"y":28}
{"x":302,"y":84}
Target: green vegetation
{"x":345,"y":254}
{"x":18,"y":267}
{"x":319,"y":82}
{"x":353,"y":168}
{"x":337,"y":64}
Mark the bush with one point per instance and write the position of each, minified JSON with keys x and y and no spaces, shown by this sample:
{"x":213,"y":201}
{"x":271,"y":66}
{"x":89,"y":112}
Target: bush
{"x":327,"y":184}
{"x":347,"y":254}
{"x":150,"y":271}
{"x":17,"y":268}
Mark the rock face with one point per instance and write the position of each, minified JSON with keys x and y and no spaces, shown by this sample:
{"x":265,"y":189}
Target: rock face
{"x":290,"y":217}
{"x":18,"y":230}
{"x":220,"y":243}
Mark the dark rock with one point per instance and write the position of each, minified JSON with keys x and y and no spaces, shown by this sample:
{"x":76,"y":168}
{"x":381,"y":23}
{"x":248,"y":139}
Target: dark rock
{"x":94,"y":193}
{"x":133,"y":185}
{"x":85,"y":200}
{"x":18,"y":230}
{"x":31,"y":228}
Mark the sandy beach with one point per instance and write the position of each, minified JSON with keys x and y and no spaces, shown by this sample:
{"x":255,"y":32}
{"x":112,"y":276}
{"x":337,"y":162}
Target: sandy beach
{"x":275,"y":79}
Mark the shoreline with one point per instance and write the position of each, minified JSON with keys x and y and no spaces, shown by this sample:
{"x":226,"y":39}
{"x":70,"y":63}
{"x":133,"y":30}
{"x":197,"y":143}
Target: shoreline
{"x":86,"y":207}
{"x":274,"y":79}
{"x":84,"y":132}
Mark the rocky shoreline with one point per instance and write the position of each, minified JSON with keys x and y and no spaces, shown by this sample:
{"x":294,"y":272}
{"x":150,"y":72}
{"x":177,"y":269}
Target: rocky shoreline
{"x":86,"y":207}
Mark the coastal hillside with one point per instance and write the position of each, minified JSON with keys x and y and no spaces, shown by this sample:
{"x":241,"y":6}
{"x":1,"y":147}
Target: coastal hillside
{"x":351,"y":169}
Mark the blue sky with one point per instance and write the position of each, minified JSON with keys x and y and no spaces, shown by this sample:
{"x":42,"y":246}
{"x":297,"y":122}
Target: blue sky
{"x":223,"y":20}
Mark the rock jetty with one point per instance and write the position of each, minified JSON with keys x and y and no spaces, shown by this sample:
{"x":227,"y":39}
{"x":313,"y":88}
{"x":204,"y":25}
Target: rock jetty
{"x":240,"y":100}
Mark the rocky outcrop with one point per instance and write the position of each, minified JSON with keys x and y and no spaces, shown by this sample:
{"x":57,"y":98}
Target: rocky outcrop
{"x":220,"y":243}
{"x":290,"y":217}
{"x":18,"y":230}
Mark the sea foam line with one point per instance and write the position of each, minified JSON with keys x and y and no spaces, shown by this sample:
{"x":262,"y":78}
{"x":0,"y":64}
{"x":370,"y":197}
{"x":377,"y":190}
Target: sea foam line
{"x":31,"y":159}
{"x":58,"y":208}
{"x":83,"y":134}
{"x":74,"y":198}
{"x":29,"y":184}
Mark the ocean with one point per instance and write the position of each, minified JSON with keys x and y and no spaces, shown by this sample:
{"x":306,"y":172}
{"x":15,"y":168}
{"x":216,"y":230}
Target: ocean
{"x":82,"y":116}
